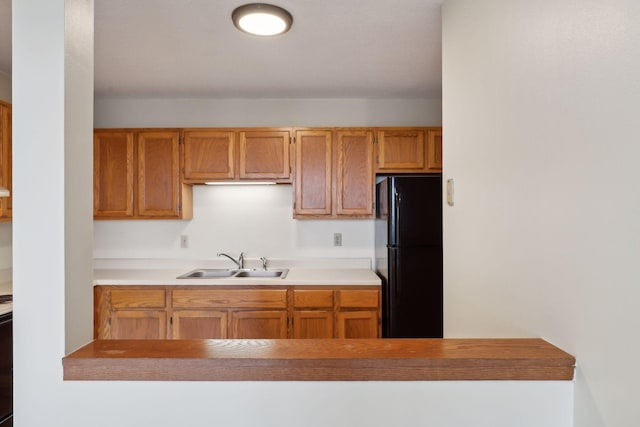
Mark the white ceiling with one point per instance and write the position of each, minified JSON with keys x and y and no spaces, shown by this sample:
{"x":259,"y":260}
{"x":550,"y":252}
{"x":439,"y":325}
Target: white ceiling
{"x":190,"y":48}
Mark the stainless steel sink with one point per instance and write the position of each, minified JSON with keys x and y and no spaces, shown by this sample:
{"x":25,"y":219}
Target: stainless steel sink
{"x":262,"y":273}
{"x":208,"y":273}
{"x":220,"y":273}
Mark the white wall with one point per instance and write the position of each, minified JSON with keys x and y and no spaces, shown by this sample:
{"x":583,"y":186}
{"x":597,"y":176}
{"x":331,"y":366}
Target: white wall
{"x":540,"y":107}
{"x":5,"y":227}
{"x":5,"y":87}
{"x":43,"y":243}
{"x":134,"y":112}
{"x":257,"y":220}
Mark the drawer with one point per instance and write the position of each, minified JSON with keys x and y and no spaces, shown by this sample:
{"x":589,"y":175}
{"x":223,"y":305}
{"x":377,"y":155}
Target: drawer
{"x":359,"y":299}
{"x":236,"y":298}
{"x":313,"y":299}
{"x":138,"y":298}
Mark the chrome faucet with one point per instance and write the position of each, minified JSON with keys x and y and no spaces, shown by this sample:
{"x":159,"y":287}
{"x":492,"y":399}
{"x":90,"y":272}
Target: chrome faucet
{"x":239,"y":262}
{"x":264,"y":263}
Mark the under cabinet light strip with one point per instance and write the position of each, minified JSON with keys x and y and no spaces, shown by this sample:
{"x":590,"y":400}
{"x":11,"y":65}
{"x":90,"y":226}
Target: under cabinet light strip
{"x":240,"y":183}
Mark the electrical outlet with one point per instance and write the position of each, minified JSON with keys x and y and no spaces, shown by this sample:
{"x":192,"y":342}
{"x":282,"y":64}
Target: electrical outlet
{"x":184,"y":241}
{"x":337,"y":239}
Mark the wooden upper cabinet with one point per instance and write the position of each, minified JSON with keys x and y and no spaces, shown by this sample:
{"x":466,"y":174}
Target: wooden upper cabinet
{"x":355,"y":177}
{"x":409,"y":150}
{"x":400,"y":150}
{"x":434,"y":149}
{"x":137,"y":175}
{"x":313,"y":179}
{"x":113,"y":172}
{"x":237,"y":154}
{"x":158,"y":174}
{"x":5,"y":159}
{"x":264,"y":155}
{"x":209,"y":155}
{"x":334,"y":174}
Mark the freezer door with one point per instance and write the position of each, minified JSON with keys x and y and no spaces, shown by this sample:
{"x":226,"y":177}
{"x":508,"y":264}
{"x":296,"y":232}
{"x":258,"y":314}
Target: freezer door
{"x":412,"y":295}
{"x":415,"y":211}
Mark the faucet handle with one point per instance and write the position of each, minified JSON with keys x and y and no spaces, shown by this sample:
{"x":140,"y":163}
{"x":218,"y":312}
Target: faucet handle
{"x":264,"y":263}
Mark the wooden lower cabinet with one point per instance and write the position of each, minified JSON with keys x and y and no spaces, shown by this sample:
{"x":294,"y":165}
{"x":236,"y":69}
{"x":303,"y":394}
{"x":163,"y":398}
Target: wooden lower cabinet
{"x":269,"y":324}
{"x":313,"y":324}
{"x":139,"y":324}
{"x":199,"y":324}
{"x":359,"y":313}
{"x":130,"y":312}
{"x":358,"y":324}
{"x":313,"y":315}
{"x":251,"y":312}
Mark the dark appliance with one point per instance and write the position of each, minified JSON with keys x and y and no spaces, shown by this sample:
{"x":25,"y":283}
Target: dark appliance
{"x":6,"y":370}
{"x":408,"y":233}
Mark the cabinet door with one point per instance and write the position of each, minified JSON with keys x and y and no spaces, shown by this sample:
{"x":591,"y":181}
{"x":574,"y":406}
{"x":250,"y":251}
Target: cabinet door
{"x":313,"y":173}
{"x":5,"y":160}
{"x":199,"y":324}
{"x":158,"y":185}
{"x":113,"y":174}
{"x":434,"y":150}
{"x":265,"y":324}
{"x":312,"y":324}
{"x":355,"y":173}
{"x":358,"y":324}
{"x":209,"y":155}
{"x":264,"y":155}
{"x":359,"y":313}
{"x":401,"y":150}
{"x":138,"y":324}
{"x":313,"y":313}
{"x":130,"y":313}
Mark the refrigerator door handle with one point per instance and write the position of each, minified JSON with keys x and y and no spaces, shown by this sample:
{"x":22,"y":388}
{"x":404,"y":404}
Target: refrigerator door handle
{"x":396,"y":274}
{"x":397,"y":219}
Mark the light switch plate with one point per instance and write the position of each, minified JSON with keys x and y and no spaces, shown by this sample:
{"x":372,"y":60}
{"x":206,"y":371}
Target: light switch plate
{"x":337,"y":239}
{"x":450,"y":191}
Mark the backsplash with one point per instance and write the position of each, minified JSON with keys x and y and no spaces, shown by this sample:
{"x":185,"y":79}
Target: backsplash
{"x":256,"y":220}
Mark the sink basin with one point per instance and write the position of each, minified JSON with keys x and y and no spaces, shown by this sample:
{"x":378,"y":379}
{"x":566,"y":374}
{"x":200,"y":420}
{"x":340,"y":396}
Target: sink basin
{"x":262,"y":273}
{"x":220,"y":273}
{"x":208,"y":273}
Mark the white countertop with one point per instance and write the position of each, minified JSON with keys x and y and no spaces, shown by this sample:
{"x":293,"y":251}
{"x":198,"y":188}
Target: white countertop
{"x":296,"y":276}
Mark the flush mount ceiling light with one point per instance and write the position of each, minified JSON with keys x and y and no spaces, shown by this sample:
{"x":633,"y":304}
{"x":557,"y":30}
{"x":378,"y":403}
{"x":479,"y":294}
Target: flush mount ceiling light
{"x":262,"y":19}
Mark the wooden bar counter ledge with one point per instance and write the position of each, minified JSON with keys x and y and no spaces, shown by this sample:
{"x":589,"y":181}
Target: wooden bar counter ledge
{"x":319,"y":360}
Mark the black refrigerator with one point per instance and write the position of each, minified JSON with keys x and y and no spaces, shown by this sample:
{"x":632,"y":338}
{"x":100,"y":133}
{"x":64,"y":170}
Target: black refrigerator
{"x":408,"y":249}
